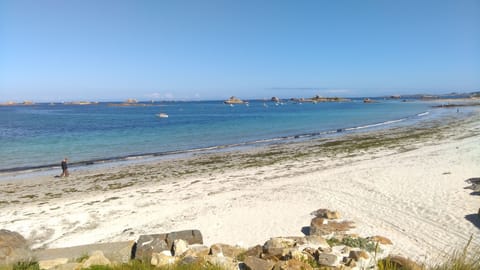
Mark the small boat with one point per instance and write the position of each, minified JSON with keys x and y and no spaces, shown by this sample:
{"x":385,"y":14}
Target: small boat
{"x":162,"y":115}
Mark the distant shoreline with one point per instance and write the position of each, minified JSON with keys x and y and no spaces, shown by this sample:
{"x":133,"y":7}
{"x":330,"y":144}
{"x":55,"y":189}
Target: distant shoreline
{"x":291,"y":99}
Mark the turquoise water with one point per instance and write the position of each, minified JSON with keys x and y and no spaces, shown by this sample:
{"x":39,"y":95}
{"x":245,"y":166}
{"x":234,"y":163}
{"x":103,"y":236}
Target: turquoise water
{"x":41,"y":135}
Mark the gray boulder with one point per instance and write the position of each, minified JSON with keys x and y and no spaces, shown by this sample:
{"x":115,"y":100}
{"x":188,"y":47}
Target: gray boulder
{"x":147,"y":244}
{"x":116,"y":252}
{"x":254,"y":263}
{"x":97,"y":258}
{"x":13,"y":248}
{"x":327,"y":259}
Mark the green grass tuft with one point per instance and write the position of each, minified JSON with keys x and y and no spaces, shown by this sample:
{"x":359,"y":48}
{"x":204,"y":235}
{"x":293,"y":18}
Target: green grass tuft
{"x":26,"y":265}
{"x":356,"y":242}
{"x":462,"y":260}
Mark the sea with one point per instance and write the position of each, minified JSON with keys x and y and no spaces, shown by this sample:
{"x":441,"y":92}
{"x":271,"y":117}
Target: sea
{"x":39,"y":136}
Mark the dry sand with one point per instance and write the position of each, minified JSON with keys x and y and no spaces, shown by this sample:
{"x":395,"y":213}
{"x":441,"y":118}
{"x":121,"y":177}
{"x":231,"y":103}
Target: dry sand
{"x":407,"y":184}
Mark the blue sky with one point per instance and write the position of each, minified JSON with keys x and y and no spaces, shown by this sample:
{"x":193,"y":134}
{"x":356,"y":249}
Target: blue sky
{"x":113,"y":50}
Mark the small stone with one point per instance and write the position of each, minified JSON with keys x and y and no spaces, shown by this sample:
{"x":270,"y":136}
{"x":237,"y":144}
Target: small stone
{"x":325,"y":213}
{"x":196,"y":250}
{"x":254,"y":251}
{"x":254,"y":263}
{"x":316,"y":241}
{"x":381,"y":240}
{"x":278,"y":247}
{"x":225,"y":250}
{"x":97,"y":258}
{"x":358,"y":254}
{"x":179,"y":247}
{"x":315,"y":225}
{"x":279,"y":242}
{"x":161,"y":259}
{"x":364,"y":255}
{"x":325,"y":250}
{"x":225,"y":263}
{"x":333,"y":215}
{"x":327,"y":259}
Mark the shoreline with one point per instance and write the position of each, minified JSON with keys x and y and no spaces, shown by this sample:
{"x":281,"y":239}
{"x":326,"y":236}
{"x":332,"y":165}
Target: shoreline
{"x":8,"y":172}
{"x":406,"y":183}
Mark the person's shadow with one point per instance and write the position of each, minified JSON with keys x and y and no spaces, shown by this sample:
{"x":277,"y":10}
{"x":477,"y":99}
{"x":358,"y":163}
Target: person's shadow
{"x":474,"y":219}
{"x":475,"y":185}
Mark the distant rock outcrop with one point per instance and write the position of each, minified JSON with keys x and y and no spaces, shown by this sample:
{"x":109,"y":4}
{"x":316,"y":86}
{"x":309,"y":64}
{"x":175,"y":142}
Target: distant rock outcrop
{"x":318,"y":99}
{"x":275,"y":99}
{"x":367,"y":100}
{"x":234,"y":100}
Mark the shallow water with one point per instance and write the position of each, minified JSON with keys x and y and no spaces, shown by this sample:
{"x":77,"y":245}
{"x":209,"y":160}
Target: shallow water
{"x":41,"y":135}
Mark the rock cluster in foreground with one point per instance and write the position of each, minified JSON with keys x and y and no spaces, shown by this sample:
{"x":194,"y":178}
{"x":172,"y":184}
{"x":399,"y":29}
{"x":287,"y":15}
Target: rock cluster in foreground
{"x":327,"y":243}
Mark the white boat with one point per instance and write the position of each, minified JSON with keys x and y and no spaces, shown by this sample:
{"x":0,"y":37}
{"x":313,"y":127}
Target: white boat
{"x":162,"y":115}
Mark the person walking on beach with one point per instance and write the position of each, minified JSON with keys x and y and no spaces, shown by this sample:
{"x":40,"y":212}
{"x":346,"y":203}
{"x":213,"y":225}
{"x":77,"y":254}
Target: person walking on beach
{"x":64,"y":168}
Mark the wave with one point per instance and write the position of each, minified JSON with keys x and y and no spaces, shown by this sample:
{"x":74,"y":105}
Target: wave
{"x":423,"y":114}
{"x":213,"y":147}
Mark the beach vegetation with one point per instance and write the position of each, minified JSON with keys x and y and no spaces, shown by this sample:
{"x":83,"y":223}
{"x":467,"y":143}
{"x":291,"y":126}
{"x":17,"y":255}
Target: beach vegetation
{"x":466,"y":259}
{"x":24,"y":265}
{"x":241,"y":256}
{"x":354,"y":242}
{"x":139,"y":265}
{"x":82,"y":258}
{"x":314,"y":264}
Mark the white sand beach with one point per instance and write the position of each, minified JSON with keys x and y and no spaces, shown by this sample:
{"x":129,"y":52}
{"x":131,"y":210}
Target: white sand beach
{"x":407,"y":184}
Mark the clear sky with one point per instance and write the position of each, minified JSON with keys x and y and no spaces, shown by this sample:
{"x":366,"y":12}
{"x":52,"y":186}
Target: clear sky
{"x":113,"y":50}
